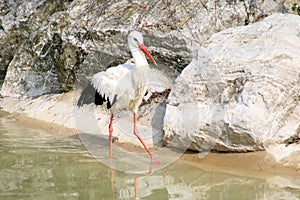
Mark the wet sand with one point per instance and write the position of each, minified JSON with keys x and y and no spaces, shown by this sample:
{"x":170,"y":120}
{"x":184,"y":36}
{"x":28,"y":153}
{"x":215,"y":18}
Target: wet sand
{"x":254,"y":164}
{"x":29,"y":122}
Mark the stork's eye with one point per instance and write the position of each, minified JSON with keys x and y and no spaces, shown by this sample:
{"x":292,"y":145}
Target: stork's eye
{"x":136,"y":41}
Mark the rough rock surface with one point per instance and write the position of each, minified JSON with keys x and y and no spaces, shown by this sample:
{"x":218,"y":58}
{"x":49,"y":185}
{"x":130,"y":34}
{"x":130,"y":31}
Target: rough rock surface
{"x":242,"y":91}
{"x":20,"y":23}
{"x":45,"y":44}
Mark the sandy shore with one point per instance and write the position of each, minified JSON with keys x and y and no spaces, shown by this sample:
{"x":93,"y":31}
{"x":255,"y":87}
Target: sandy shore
{"x":254,"y":164}
{"x":28,"y":122}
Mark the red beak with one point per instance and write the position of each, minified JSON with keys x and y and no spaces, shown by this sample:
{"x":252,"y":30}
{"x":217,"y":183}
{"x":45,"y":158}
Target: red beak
{"x":147,"y":53}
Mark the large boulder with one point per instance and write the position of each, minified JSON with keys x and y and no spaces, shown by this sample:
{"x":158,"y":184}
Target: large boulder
{"x":20,"y":22}
{"x":242,"y":90}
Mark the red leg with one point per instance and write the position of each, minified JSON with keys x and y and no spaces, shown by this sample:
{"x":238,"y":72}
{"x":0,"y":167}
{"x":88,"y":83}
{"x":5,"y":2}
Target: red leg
{"x":154,"y":160}
{"x":110,"y":128}
{"x":110,"y":134}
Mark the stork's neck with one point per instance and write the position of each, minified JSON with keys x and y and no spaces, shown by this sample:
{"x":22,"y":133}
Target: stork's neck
{"x":139,"y":58}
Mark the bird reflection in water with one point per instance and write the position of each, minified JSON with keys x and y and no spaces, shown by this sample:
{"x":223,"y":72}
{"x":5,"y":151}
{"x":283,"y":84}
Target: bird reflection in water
{"x":136,"y":180}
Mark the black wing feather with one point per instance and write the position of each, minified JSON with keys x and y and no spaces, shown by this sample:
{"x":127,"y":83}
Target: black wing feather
{"x":90,"y":95}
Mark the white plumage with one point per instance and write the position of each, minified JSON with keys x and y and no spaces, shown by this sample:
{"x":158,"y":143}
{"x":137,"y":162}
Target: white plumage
{"x":125,"y":84}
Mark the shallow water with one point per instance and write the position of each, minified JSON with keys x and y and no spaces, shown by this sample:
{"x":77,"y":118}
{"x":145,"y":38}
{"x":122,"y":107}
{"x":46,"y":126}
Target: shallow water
{"x":37,"y":165}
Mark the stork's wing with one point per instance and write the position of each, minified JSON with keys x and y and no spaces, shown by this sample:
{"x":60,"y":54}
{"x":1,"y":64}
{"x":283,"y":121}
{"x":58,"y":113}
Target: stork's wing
{"x":107,"y":86}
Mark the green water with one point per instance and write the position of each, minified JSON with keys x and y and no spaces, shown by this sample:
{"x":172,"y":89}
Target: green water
{"x":37,"y":165}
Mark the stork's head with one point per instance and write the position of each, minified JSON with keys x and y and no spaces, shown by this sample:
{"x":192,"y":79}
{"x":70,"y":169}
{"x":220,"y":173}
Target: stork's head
{"x":136,"y":42}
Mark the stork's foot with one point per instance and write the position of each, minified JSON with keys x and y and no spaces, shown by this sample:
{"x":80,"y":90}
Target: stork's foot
{"x":154,"y":160}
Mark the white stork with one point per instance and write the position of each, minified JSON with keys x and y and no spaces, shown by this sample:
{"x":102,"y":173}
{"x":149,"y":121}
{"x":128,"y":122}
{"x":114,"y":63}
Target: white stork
{"x":122,"y":87}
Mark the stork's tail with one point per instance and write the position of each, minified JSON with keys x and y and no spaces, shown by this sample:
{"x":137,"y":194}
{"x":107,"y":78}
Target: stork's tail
{"x":87,"y":95}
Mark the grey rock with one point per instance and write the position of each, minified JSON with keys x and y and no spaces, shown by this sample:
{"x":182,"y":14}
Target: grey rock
{"x":19,"y":21}
{"x":241,"y":92}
